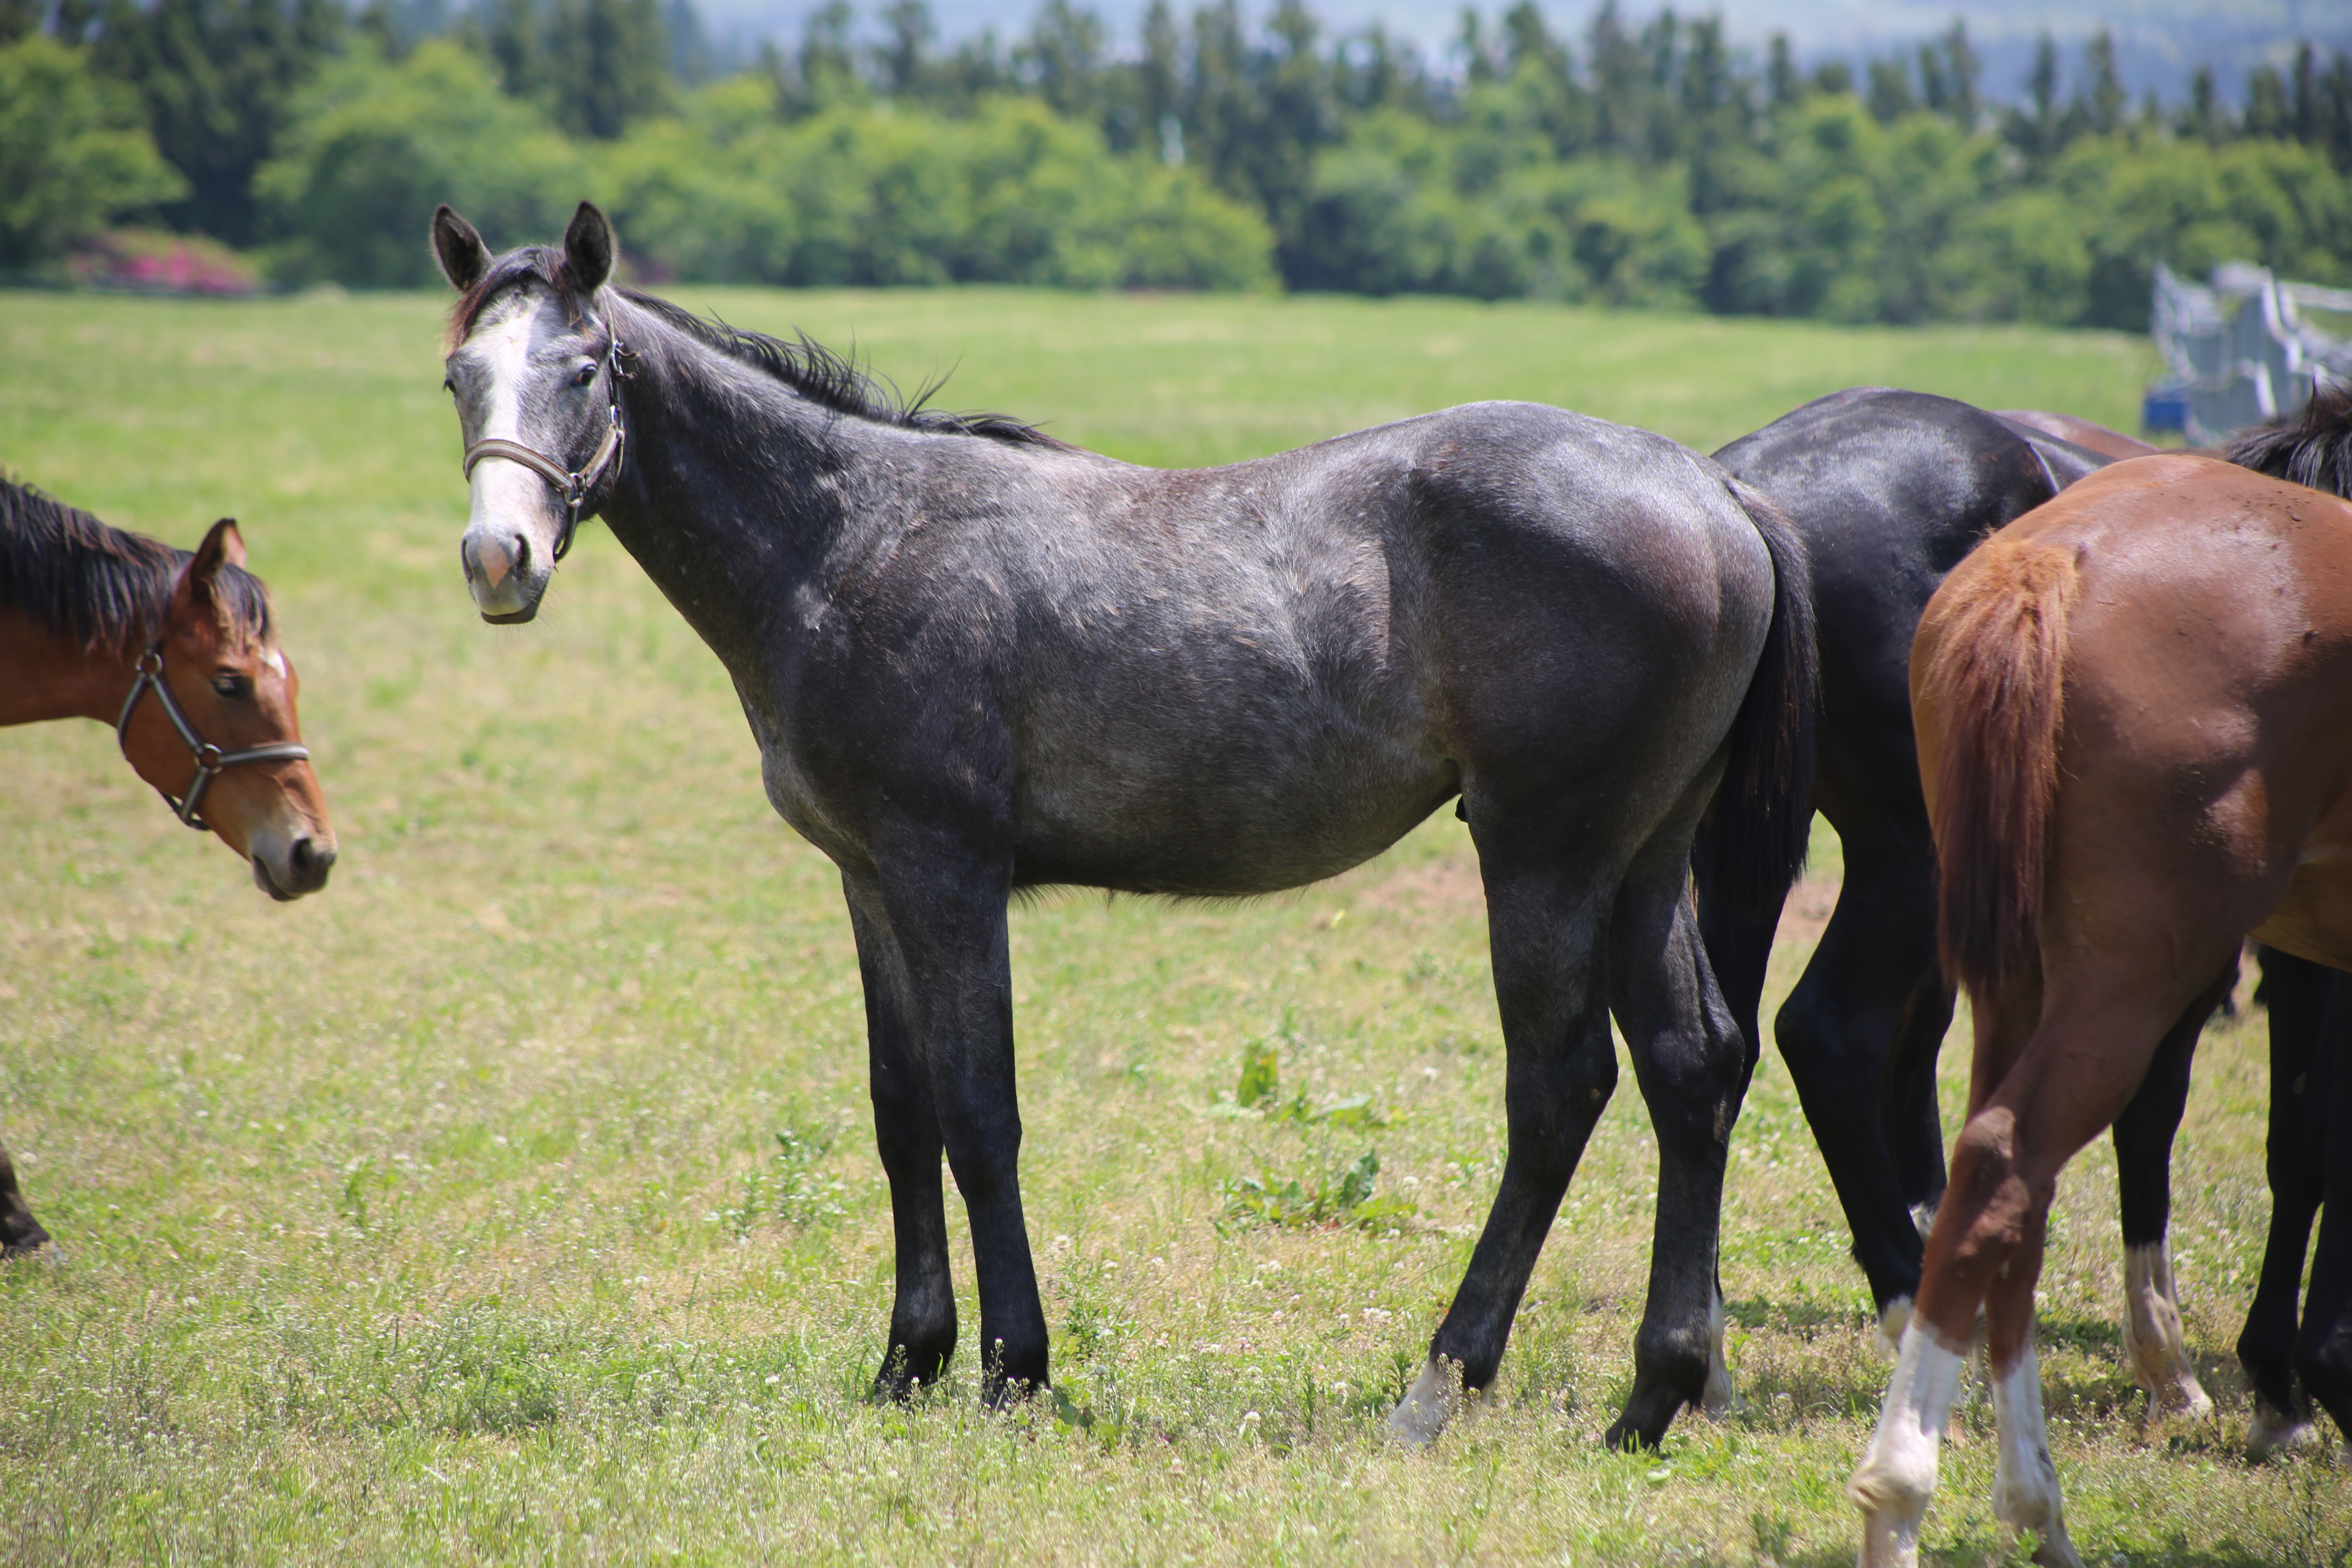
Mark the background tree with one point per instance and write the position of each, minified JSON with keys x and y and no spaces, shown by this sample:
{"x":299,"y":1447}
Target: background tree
{"x":216,"y":80}
{"x":74,"y":152}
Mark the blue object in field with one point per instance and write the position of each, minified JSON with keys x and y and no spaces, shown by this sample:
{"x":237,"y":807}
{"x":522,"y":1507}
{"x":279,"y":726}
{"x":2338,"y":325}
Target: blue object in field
{"x":2166,"y":408}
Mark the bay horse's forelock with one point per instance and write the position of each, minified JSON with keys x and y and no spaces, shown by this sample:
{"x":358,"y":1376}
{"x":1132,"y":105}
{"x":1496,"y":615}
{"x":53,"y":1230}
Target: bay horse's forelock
{"x":1992,"y":660}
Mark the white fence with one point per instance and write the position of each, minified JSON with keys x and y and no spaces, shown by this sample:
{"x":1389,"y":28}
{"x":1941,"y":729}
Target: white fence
{"x":2240,"y":350}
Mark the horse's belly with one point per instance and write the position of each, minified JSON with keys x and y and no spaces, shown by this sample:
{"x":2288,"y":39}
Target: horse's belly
{"x":1210,"y":832}
{"x":2314,"y":919}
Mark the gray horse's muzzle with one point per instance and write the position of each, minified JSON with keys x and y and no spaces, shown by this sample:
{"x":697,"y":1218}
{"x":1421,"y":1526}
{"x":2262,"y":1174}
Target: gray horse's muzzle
{"x":504,"y":572}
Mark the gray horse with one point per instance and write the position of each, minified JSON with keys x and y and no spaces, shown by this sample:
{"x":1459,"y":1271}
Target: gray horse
{"x":977,"y":659}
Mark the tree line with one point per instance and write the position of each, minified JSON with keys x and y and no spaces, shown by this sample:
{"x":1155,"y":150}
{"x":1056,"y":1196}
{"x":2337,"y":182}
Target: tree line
{"x":1636,"y":160}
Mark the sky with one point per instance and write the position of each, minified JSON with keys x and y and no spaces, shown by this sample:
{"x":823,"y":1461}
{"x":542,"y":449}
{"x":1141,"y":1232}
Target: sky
{"x":2159,"y":42}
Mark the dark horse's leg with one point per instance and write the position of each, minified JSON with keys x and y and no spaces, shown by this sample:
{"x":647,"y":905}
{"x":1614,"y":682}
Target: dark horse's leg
{"x":20,"y":1231}
{"x":2143,"y":1134}
{"x":906,"y":1129}
{"x":2323,"y":1350}
{"x":1546,"y":911}
{"x":2311,"y":1025}
{"x":943,"y":902}
{"x":1860,"y":1034}
{"x":1692,"y":1063}
{"x":1567,"y":936}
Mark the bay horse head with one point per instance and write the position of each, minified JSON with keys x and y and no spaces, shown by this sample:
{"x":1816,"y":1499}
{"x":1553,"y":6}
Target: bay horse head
{"x":535,"y":373}
{"x":210,"y":723}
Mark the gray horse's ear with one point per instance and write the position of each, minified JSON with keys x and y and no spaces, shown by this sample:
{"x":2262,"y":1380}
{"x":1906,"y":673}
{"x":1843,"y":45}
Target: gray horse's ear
{"x":459,"y":250}
{"x":588,"y":248}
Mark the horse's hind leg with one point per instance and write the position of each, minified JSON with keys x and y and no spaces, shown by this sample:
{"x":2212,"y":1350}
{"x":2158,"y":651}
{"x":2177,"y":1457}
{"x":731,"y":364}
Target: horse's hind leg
{"x":2025,"y":1495}
{"x":20,"y":1231}
{"x":906,"y":1131}
{"x":1547,"y":915}
{"x":2311,"y":1025}
{"x":1860,"y":1035}
{"x":1691,"y":1063}
{"x":2153,"y":1339}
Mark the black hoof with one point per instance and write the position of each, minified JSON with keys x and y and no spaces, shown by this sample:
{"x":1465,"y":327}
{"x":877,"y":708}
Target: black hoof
{"x":907,"y":1372}
{"x":1012,"y":1376}
{"x":1643,"y":1425}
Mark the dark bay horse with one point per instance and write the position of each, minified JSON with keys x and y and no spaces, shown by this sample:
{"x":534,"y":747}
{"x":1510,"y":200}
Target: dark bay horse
{"x":1889,"y":489}
{"x":178,"y":652}
{"x":976,"y":659}
{"x":2131,"y":716}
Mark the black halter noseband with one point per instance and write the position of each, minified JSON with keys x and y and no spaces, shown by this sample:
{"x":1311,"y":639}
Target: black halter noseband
{"x":210,"y":760}
{"x":572,"y":484}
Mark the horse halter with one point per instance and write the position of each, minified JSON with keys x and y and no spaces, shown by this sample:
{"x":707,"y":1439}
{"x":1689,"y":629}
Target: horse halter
{"x":572,"y":484}
{"x":210,"y":760}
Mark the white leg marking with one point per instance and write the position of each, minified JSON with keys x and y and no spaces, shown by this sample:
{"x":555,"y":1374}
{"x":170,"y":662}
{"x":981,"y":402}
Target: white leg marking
{"x":1888,"y":1340}
{"x":1722,"y":1397}
{"x":2025,"y":1494}
{"x":2153,"y":1337}
{"x":2273,"y":1431}
{"x":1432,"y":1401}
{"x":1897,"y":1474}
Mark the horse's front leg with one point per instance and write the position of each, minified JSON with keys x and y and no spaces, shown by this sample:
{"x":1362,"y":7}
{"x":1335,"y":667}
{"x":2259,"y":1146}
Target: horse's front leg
{"x":945,"y":906}
{"x":2311,"y":1023}
{"x":906,"y":1133}
{"x":2154,"y":1341}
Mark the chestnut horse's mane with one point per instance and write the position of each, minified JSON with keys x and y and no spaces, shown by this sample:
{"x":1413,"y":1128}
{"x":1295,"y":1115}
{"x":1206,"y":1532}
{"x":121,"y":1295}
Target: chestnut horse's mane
{"x":2312,"y":446}
{"x":103,"y":588}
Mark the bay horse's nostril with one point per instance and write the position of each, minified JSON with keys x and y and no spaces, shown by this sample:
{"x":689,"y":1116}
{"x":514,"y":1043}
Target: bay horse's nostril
{"x":312,"y":861}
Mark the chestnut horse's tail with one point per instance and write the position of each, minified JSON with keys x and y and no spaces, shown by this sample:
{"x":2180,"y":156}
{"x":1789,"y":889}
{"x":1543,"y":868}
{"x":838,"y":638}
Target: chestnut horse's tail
{"x":1751,"y":844}
{"x":1995,"y":678}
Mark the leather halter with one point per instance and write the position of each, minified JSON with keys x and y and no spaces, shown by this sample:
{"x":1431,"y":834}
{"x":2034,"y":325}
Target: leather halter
{"x":210,"y":760}
{"x":572,"y":484}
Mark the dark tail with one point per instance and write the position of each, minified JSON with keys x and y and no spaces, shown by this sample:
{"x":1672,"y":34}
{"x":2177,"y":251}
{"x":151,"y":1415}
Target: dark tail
{"x":1988,"y":692}
{"x":1751,"y":844}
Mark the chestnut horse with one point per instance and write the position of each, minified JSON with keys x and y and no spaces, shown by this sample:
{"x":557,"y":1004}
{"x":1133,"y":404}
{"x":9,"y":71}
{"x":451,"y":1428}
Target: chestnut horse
{"x":178,"y":652}
{"x":2132,"y":732}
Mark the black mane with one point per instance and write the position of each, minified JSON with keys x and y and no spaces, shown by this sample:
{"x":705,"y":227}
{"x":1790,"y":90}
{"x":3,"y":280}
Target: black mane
{"x":105,"y":588}
{"x":2312,"y":446}
{"x":808,"y":367}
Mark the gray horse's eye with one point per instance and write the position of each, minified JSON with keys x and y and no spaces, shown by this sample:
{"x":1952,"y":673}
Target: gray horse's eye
{"x":587,"y":373}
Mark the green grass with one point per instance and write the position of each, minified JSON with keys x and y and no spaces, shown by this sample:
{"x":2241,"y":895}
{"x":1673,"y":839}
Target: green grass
{"x":445,"y":1218}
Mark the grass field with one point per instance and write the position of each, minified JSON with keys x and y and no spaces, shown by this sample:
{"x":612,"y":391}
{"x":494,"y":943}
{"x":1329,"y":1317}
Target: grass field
{"x":514,"y":1200}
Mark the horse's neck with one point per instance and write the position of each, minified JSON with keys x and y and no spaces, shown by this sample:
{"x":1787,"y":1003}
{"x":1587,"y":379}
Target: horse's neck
{"x":724,"y":506}
{"x":45,"y":676}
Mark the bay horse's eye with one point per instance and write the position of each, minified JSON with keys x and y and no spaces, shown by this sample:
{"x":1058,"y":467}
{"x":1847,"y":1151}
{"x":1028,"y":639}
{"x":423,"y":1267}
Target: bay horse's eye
{"x":234,"y":687}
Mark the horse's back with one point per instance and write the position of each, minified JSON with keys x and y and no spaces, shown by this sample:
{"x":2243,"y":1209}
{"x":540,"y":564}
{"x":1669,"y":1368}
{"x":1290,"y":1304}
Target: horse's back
{"x":2205,"y":741}
{"x":1235,"y":679}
